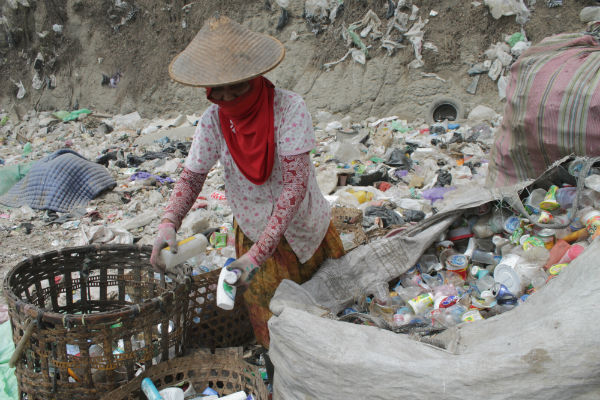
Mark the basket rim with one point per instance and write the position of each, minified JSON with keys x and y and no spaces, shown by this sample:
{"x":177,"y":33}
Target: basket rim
{"x":227,"y":356}
{"x":129,"y":311}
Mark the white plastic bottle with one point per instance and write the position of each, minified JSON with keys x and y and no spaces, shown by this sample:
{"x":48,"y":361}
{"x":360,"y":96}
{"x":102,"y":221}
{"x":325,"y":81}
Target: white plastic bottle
{"x":225,"y":289}
{"x":188,"y":248}
{"x":235,"y":396}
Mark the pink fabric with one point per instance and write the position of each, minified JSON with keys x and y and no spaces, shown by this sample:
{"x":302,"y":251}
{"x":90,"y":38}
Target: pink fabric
{"x":551,"y":111}
{"x":252,"y":205}
{"x":183,"y":196}
{"x":295,"y":181}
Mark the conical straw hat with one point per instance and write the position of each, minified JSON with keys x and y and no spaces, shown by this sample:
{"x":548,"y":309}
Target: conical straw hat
{"x":224,"y":53}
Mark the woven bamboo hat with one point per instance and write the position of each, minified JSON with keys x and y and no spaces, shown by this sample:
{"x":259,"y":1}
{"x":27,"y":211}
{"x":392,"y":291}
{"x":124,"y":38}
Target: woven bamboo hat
{"x":224,"y":53}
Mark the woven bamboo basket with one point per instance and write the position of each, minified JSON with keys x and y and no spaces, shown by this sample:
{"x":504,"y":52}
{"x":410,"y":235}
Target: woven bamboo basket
{"x":225,"y":371}
{"x":210,"y":326}
{"x":86,"y":319}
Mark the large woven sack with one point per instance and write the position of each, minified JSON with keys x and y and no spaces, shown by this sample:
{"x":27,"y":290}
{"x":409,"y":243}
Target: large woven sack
{"x":552,"y":108}
{"x":546,"y":348}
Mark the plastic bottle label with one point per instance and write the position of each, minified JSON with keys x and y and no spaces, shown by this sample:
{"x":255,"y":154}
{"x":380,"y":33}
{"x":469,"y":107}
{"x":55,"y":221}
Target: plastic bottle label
{"x":511,"y":224}
{"x":182,"y":242}
{"x":421,"y":302}
{"x":228,"y":290}
{"x":555,"y":269}
{"x":592,"y":224}
{"x":549,"y":203}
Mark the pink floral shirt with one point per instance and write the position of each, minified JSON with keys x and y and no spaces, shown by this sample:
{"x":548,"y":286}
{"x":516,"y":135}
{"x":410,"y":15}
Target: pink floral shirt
{"x":252,"y":205}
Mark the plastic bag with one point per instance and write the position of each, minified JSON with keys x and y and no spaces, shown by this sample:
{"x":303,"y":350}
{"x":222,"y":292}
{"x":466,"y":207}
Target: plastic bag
{"x":499,"y":8}
{"x":12,"y":174}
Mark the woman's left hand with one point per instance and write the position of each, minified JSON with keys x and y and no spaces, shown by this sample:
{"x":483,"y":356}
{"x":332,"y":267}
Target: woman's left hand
{"x":247,"y":266}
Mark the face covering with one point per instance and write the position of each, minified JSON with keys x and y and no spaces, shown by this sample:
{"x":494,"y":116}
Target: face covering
{"x":247,"y":123}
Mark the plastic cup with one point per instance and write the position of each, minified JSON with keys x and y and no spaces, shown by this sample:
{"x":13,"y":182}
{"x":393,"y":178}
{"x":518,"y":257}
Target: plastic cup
{"x":566,"y":196}
{"x":505,"y":274}
{"x":549,"y":203}
{"x":532,"y":203}
{"x":172,"y":393}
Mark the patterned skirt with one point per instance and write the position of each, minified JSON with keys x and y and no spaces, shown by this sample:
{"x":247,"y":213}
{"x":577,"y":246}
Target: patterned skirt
{"x":283,"y":264}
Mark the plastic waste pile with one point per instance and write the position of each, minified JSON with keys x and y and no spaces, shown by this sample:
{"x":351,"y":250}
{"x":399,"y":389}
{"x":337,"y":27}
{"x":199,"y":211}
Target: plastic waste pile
{"x":397,"y":173}
{"x":144,"y":156}
{"x":370,"y":32}
{"x":394,"y":173}
{"x":498,"y":59}
{"x":488,"y":262}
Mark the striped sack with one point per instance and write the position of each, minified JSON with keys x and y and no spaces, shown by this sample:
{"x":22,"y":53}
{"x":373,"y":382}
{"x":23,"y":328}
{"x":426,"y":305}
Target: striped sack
{"x":552,"y":108}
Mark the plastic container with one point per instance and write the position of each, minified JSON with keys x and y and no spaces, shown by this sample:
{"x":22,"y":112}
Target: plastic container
{"x":592,"y":221}
{"x":557,"y":252}
{"x":421,"y":303}
{"x":172,"y":393}
{"x":429,"y":262}
{"x":532,"y":203}
{"x":566,"y":196}
{"x":483,"y":257}
{"x":576,"y":236}
{"x":188,"y":248}
{"x":481,"y":229}
{"x":548,"y":236}
{"x":505,"y":274}
{"x":235,"y":396}
{"x":150,"y":390}
{"x":550,"y":203}
{"x":498,"y":219}
{"x":225,"y":289}
{"x":572,"y":253}
{"x":484,"y":283}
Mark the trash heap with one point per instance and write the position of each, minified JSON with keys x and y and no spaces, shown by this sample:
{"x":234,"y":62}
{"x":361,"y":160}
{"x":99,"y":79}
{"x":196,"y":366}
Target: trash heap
{"x":389,"y":172}
{"x":498,"y":59}
{"x":488,"y":262}
{"x":145,"y":157}
{"x":396,"y":173}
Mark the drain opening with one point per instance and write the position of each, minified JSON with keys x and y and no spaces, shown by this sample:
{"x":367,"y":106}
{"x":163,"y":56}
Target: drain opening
{"x":445,"y":111}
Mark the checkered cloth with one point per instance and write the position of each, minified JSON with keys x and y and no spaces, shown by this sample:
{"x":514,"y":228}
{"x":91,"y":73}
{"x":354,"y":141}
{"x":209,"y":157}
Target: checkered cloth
{"x":60,"y":182}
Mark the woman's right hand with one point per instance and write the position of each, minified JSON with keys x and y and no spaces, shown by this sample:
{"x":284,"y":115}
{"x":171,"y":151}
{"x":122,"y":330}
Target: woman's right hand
{"x":166,"y":236}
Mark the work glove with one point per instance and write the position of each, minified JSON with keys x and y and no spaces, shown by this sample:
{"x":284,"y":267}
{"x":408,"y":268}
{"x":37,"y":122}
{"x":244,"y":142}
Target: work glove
{"x":247,"y":267}
{"x":167,"y":236}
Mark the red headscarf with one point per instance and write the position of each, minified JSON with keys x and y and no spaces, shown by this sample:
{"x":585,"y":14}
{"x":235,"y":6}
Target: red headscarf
{"x":247,"y":124}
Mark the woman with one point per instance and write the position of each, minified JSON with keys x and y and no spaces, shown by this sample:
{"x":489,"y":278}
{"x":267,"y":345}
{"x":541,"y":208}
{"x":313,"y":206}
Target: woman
{"x":262,"y":136}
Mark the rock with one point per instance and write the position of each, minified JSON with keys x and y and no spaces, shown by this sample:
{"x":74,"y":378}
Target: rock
{"x":182,"y":133}
{"x":155,"y":198}
{"x":589,"y":14}
{"x":344,"y":152}
{"x":126,"y":121}
{"x":169,"y":166}
{"x":416,"y":181}
{"x":327,"y":179}
{"x":195,"y":222}
{"x":482,"y":113}
{"x":139,"y":220}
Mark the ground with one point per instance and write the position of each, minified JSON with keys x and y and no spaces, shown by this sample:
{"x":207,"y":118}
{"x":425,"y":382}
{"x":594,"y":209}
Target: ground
{"x":140,"y":38}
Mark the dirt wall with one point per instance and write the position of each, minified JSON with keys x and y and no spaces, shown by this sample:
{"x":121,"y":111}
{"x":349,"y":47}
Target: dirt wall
{"x":139,"y":38}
